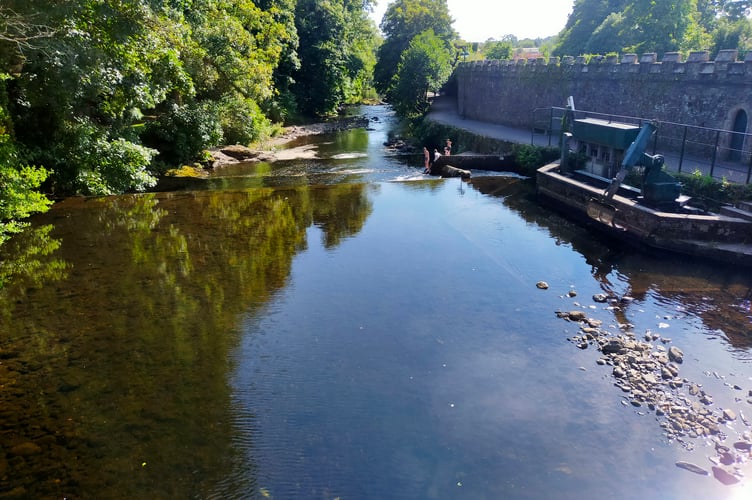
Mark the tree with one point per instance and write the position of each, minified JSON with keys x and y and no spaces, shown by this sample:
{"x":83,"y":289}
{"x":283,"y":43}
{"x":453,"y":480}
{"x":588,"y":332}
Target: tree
{"x":337,"y":42}
{"x":425,"y":66}
{"x":659,"y":26}
{"x":586,"y":17}
{"x":403,"y":20}
{"x":19,"y":197}
{"x":498,"y":50}
{"x":601,"y":26}
{"x":115,"y":76}
{"x":732,"y":35}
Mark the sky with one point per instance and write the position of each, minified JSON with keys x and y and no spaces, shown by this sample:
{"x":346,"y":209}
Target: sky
{"x":479,"y":20}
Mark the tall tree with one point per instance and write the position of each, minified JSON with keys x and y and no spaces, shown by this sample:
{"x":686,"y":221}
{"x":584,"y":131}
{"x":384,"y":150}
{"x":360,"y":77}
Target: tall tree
{"x":337,"y":41}
{"x":201,"y":69}
{"x":659,"y":26}
{"x":424,"y":66}
{"x":586,"y":17}
{"x":403,"y":20}
{"x":600,"y":26}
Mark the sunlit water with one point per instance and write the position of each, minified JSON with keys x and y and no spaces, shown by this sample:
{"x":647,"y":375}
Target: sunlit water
{"x":344,"y":327}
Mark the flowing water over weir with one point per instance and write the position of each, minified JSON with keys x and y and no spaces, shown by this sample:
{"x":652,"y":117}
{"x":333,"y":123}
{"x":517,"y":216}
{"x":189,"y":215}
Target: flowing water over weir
{"x":343,"y":327}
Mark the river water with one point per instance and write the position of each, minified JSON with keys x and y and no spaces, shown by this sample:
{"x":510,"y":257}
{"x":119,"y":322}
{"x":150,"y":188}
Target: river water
{"x":343,"y":327}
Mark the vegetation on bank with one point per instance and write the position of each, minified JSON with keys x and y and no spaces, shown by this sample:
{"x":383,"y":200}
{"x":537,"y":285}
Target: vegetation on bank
{"x":102,"y":96}
{"x":596,"y":27}
{"x":711,"y":192}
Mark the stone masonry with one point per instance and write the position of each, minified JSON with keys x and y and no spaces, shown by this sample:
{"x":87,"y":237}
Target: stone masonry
{"x":697,"y":91}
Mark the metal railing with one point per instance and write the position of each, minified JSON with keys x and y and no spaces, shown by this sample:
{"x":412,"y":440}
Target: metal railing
{"x":720,"y":154}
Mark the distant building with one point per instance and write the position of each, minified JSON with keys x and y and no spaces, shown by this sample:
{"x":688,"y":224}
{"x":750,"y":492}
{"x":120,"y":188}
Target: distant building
{"x":527,"y":53}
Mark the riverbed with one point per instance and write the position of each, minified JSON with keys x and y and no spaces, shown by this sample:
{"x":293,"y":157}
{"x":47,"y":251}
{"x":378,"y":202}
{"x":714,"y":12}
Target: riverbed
{"x":341,"y":326}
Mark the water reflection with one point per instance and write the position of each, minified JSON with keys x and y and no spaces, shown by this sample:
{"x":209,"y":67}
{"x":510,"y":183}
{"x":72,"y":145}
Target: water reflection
{"x":123,"y":333}
{"x":717,"y":294}
{"x":321,"y":329}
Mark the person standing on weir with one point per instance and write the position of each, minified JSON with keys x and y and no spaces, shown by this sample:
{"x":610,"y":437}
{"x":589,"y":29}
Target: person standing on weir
{"x":426,"y":161}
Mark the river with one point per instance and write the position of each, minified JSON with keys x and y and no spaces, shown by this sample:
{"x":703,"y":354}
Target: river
{"x":343,"y":327}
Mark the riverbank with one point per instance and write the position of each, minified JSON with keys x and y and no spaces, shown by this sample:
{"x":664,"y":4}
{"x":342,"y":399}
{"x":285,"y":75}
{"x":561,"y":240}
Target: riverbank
{"x":270,"y":150}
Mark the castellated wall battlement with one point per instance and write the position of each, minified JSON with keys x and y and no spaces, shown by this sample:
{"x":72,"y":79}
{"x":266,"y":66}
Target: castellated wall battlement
{"x":697,"y":91}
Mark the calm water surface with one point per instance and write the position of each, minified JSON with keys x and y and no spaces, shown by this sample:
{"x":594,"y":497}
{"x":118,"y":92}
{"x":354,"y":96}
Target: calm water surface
{"x":343,"y":327}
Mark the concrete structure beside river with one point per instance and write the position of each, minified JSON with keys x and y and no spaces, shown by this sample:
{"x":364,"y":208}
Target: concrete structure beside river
{"x":712,"y":97}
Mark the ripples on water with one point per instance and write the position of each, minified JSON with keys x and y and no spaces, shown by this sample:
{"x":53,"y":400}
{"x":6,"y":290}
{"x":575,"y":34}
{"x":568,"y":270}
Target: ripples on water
{"x":324,"y":329}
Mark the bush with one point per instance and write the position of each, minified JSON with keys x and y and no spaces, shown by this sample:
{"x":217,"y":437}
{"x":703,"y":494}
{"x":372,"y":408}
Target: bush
{"x":116,"y":167}
{"x":530,"y":158}
{"x":181,"y":134}
{"x":242,"y":121}
{"x":19,"y":197}
{"x":712,"y":192}
{"x":88,"y":162}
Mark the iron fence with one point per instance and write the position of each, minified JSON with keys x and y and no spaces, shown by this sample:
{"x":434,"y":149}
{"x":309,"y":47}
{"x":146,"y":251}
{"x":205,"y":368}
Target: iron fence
{"x":720,"y":154}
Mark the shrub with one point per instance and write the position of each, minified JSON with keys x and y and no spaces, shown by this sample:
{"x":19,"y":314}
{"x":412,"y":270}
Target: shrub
{"x":115,"y":167}
{"x":530,"y":158}
{"x":242,"y":121}
{"x":182,"y":133}
{"x":19,"y":197}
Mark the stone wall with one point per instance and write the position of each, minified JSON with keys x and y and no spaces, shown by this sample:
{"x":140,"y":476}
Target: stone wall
{"x":697,"y":91}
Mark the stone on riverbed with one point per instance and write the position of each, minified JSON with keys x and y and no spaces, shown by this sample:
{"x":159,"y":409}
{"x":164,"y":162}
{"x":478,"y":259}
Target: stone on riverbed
{"x":692,"y":468}
{"x":729,"y":414}
{"x":576,"y":316}
{"x":724,"y":477}
{"x":613,"y":346}
{"x":675,"y":354}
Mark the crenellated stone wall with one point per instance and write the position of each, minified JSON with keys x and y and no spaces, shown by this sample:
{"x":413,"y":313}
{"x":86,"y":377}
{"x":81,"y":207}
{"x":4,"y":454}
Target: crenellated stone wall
{"x":697,"y":91}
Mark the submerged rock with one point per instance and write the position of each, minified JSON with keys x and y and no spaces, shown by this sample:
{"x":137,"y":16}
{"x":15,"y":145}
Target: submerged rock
{"x":692,"y":468}
{"x":724,"y":477}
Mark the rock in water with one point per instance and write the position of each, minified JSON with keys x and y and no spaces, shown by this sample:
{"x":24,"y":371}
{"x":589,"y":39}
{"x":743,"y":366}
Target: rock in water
{"x":692,"y":468}
{"x":729,"y":414}
{"x":743,"y":446}
{"x":675,"y":354}
{"x":577,"y":315}
{"x":724,"y":477}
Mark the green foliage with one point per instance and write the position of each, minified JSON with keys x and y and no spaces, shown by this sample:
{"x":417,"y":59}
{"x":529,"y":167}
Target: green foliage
{"x":92,"y":163}
{"x":530,"y":158}
{"x":732,"y":35}
{"x":425,"y":66}
{"x":183,"y":132}
{"x":711,"y":192}
{"x":242,"y":121}
{"x":403,"y":21}
{"x":115,"y":166}
{"x":94,"y":80}
{"x":501,"y":50}
{"x":19,"y":195}
{"x":597,"y":26}
{"x":337,"y":45}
